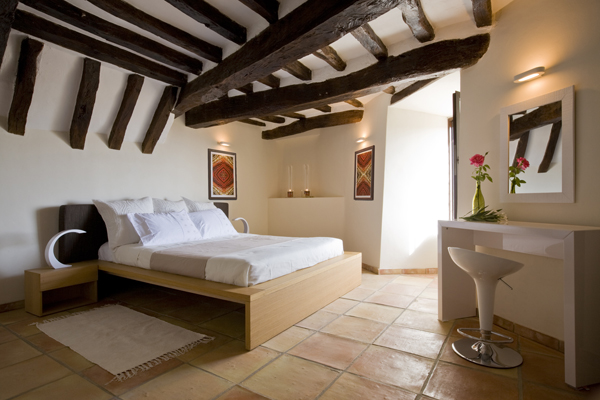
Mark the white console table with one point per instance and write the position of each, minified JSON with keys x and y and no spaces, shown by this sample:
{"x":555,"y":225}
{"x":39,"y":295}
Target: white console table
{"x":577,"y":246}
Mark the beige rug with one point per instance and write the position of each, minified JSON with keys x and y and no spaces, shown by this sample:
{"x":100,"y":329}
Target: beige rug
{"x":120,"y":340}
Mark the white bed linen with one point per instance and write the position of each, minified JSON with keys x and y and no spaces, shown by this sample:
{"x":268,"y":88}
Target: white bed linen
{"x":246,"y":267}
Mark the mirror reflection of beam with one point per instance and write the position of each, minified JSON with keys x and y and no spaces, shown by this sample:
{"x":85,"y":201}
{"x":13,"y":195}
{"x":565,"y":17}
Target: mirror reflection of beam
{"x":544,"y":115}
{"x":552,"y":141}
{"x":521,"y":148}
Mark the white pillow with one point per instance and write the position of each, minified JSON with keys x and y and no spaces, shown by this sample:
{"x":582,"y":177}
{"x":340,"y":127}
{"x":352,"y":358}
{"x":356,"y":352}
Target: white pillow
{"x":157,"y":229}
{"x":167,"y":206}
{"x":212,"y":223}
{"x":114,"y":213}
{"x":194,"y":206}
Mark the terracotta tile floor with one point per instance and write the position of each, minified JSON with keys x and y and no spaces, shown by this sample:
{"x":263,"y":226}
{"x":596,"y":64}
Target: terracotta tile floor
{"x":380,"y":341}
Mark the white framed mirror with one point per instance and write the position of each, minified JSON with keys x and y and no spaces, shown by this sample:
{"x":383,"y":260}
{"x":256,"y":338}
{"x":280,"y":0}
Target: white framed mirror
{"x":541,"y":130}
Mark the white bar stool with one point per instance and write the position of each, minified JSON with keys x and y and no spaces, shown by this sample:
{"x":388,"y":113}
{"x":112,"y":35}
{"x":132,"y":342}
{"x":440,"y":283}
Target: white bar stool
{"x":485,"y":270}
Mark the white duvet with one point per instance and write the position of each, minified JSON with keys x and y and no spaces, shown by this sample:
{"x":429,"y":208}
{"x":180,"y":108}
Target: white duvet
{"x":250,"y":266}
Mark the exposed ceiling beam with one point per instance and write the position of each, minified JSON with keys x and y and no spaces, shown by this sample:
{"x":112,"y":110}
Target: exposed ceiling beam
{"x":413,"y":15}
{"x":246,"y":89}
{"x":35,"y":26}
{"x":130,"y":97}
{"x":270,"y":80}
{"x":84,"y":105}
{"x":293,"y":115}
{"x":482,"y":12}
{"x":129,"y":13}
{"x":370,"y":41}
{"x":307,"y":124}
{"x":7,"y":15}
{"x":212,"y":18}
{"x":299,"y":70}
{"x":331,"y":57}
{"x":355,"y":103}
{"x":390,"y":90}
{"x":24,"y":85}
{"x":159,"y":119}
{"x":413,"y":88}
{"x":268,"y":9}
{"x":272,"y":118}
{"x":425,"y":61}
{"x":65,"y":12}
{"x":252,"y":122}
{"x":309,"y":27}
{"x":324,"y":108}
{"x":544,"y":115}
{"x":550,"y":147}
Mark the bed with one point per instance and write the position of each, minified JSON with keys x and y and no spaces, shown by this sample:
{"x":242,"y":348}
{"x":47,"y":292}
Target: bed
{"x":270,"y":307}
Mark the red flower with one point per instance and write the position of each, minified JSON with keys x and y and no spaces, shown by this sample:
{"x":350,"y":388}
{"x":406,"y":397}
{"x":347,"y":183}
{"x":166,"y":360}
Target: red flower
{"x":477,"y":160}
{"x":523,"y":164}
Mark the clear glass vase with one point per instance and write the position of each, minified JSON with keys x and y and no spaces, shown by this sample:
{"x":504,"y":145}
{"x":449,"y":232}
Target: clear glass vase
{"x":478,"y":200}
{"x":513,"y":186}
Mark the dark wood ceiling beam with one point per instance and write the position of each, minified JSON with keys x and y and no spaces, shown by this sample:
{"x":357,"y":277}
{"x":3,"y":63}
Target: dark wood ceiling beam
{"x":270,"y":80}
{"x":426,"y":61}
{"x":413,"y":15}
{"x":72,"y":15}
{"x":159,"y":119}
{"x":309,"y":27}
{"x":293,"y":115}
{"x":521,"y":148}
{"x":84,"y":105}
{"x":252,"y":122}
{"x":544,"y":115}
{"x":130,"y":97}
{"x":413,"y":88}
{"x":35,"y":26}
{"x":355,"y":103}
{"x":324,"y":108}
{"x":367,"y":37}
{"x":307,"y":124}
{"x":268,"y":9}
{"x":272,"y":118}
{"x":129,"y":13}
{"x":7,"y":15}
{"x":550,"y":147}
{"x":26,"y":75}
{"x":298,"y":70}
{"x":246,"y":89}
{"x":212,"y":18}
{"x":482,"y":12}
{"x":331,"y":57}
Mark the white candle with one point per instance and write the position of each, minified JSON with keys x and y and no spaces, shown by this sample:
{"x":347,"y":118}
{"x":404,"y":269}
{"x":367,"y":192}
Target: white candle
{"x":290,"y":173}
{"x":306,"y":173}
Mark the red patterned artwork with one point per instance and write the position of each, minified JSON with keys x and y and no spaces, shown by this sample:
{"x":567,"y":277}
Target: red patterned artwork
{"x":222,"y":175}
{"x":364,"y":161}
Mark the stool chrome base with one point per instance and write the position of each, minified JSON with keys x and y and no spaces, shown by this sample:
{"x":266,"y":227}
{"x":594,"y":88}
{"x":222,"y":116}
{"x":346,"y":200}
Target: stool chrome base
{"x":487,"y":354}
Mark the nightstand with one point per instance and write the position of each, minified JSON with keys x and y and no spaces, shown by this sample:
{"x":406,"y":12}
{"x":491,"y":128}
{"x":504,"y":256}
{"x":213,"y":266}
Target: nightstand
{"x":50,"y":290}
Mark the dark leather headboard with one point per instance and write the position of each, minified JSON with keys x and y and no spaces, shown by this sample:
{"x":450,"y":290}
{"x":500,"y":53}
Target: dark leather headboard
{"x":73,"y":247}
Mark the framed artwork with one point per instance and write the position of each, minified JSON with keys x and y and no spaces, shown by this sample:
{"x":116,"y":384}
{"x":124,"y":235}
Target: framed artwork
{"x":364,"y":163}
{"x":222,"y":175}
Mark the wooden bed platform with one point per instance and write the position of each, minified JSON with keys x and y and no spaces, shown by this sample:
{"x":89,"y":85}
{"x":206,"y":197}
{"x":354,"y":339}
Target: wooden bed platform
{"x":270,"y":307}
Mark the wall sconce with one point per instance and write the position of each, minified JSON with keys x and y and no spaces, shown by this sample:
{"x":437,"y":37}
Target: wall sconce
{"x":226,"y":144}
{"x":529,"y":75}
{"x":360,"y":140}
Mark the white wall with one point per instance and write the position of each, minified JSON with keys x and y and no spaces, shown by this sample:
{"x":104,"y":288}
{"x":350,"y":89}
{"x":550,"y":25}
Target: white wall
{"x":39,"y":171}
{"x":564,"y":39}
{"x":416,"y":188}
{"x":330,"y":153}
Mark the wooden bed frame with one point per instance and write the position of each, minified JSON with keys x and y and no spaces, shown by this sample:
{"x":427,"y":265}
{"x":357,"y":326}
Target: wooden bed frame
{"x":270,"y":307}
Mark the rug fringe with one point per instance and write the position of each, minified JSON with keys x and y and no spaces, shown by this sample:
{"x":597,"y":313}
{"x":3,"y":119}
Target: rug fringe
{"x":71,"y":315}
{"x":130,"y":373}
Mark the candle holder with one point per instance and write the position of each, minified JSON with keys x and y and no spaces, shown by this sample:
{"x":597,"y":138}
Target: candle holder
{"x":290,"y":193}
{"x":306,"y":193}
